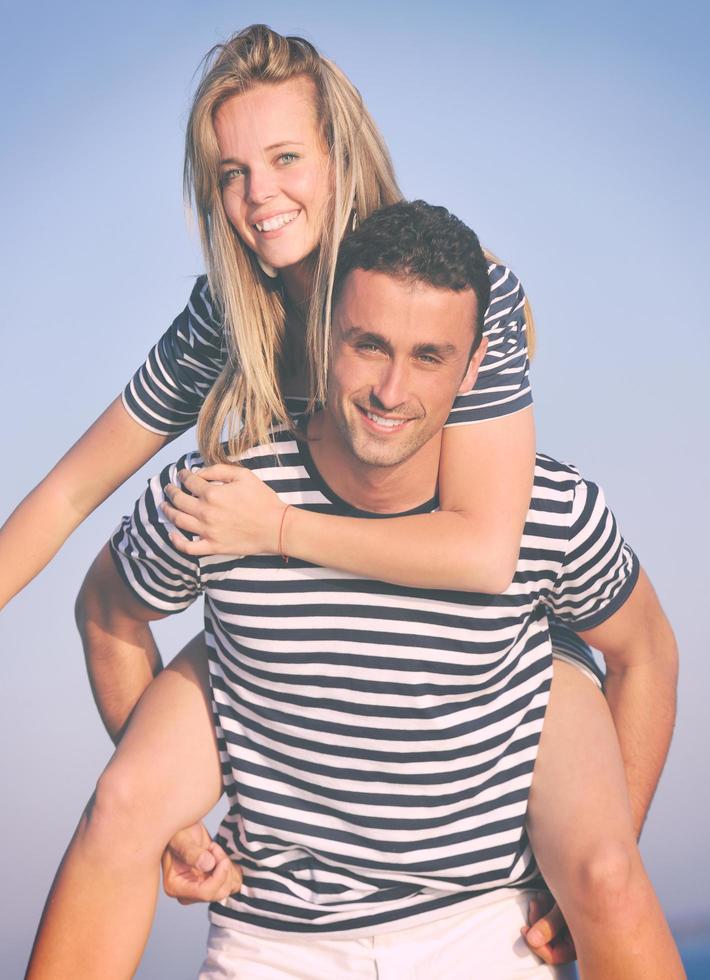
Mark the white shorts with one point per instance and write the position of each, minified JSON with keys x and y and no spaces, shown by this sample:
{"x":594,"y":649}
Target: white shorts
{"x":480,"y":944}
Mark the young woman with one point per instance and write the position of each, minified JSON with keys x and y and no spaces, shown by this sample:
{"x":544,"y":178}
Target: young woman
{"x":282,"y":159}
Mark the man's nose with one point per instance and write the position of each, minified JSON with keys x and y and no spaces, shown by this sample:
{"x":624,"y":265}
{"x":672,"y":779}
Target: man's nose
{"x":390,"y":389}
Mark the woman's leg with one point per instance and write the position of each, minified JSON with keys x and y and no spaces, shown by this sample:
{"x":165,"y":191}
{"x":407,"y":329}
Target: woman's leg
{"x":164,"y":776}
{"x":580,"y":827}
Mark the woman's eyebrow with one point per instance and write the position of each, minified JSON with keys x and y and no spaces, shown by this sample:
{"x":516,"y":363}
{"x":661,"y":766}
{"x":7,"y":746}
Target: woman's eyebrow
{"x":276,"y":146}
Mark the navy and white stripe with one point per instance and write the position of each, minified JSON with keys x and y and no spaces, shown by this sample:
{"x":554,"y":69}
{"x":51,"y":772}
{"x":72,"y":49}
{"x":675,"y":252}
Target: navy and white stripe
{"x":377,"y":742}
{"x":503,"y":383}
{"x":166,"y":393}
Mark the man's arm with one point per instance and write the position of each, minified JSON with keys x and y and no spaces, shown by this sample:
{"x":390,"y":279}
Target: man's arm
{"x":121,"y":656}
{"x":641,"y":657}
{"x":122,"y":659}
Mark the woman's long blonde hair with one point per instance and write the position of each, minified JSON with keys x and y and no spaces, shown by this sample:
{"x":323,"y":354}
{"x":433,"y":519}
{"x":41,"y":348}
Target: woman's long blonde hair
{"x":246,"y":397}
{"x":247,"y":393}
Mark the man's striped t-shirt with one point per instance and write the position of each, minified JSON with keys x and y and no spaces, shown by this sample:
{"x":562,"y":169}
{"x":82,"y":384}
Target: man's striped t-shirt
{"x":377,"y":741}
{"x":166,"y":393}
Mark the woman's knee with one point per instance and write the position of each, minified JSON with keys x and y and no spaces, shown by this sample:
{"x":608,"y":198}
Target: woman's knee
{"x":122,"y":816}
{"x":608,"y":879}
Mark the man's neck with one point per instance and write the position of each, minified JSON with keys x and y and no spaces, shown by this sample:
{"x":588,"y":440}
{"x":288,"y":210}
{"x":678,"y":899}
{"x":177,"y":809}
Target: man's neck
{"x":375,"y":489}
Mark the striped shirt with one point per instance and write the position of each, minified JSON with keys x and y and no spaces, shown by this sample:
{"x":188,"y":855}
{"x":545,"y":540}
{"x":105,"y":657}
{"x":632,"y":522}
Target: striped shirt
{"x":377,"y":742}
{"x":166,"y":393}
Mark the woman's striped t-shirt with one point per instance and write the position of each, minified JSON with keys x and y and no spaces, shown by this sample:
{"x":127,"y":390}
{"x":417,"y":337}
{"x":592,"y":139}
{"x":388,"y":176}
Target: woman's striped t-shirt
{"x":166,"y":393}
{"x":377,"y":742}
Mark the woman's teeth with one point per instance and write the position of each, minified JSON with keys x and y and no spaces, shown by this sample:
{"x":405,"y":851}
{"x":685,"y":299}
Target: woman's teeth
{"x":278,"y":221}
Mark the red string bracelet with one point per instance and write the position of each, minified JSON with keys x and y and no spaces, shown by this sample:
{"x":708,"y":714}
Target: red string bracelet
{"x":281,"y":533}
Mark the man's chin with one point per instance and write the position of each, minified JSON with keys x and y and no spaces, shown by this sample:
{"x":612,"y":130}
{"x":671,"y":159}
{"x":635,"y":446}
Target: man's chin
{"x":382,"y":457}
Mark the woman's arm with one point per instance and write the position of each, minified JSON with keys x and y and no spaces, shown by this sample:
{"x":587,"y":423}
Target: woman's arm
{"x":472,"y":544}
{"x":107,"y":454}
{"x":163,"y":398}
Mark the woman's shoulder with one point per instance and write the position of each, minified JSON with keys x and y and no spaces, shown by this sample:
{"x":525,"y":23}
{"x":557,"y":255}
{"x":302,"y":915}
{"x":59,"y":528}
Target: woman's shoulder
{"x":503,"y":281}
{"x":202,"y":307}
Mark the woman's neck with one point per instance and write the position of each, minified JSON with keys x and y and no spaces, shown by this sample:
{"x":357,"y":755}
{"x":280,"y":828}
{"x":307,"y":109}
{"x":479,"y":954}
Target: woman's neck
{"x":297,"y":284}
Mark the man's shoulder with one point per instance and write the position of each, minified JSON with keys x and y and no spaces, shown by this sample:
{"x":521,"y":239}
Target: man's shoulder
{"x":549,"y":470}
{"x":556,"y":487}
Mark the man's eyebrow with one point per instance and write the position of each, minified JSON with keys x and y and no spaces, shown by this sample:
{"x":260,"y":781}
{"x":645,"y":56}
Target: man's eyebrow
{"x":367,"y":336}
{"x":440,"y":350}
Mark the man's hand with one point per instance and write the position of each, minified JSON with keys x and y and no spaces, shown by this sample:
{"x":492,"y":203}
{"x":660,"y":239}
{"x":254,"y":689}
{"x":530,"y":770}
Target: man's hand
{"x":547,"y":934}
{"x":196,"y":869}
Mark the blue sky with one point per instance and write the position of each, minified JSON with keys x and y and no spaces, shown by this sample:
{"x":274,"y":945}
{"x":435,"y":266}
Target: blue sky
{"x":572,"y":138}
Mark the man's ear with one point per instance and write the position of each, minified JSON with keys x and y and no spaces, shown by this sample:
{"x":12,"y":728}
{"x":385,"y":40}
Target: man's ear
{"x":469,"y":378}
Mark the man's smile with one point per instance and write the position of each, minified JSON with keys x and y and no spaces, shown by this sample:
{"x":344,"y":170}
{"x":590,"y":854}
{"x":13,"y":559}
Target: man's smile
{"x":383,"y":423}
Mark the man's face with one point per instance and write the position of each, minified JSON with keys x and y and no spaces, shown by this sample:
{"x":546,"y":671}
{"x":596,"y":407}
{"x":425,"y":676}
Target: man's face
{"x":400,"y":356}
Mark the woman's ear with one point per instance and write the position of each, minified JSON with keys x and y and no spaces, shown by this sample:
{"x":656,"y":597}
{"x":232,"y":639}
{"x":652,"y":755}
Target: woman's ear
{"x":469,"y":378}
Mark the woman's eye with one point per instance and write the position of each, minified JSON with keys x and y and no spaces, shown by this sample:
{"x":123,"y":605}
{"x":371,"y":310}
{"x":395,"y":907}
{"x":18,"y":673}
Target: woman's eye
{"x":287,"y":158}
{"x":227,"y":176}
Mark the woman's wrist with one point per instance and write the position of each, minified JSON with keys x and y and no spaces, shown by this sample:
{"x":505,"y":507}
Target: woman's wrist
{"x":281,"y":546}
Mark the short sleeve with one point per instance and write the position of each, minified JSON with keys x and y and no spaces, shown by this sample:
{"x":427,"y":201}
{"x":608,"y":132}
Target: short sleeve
{"x":166,"y":393}
{"x":155,"y":572}
{"x":503,"y":383}
{"x":599,"y":569}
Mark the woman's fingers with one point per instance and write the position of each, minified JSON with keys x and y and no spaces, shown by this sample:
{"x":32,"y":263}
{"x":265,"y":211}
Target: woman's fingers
{"x":188,"y":503}
{"x":218,"y":472}
{"x":198,"y":548}
{"x":182,"y":520}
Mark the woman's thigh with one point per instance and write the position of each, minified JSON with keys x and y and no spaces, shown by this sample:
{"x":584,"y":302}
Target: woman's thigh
{"x":167,"y":763}
{"x":579,"y":798}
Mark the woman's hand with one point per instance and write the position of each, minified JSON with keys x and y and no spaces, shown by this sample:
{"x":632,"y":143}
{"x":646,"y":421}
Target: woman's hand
{"x":229,"y":509}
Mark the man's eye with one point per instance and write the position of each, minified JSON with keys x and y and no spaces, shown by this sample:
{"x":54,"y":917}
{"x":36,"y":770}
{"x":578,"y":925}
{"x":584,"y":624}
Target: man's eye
{"x":427,"y":359}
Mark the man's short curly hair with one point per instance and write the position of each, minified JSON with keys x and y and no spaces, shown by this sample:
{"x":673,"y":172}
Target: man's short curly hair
{"x":420,"y":242}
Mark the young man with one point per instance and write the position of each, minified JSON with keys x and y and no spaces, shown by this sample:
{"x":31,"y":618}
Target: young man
{"x":377,"y":743}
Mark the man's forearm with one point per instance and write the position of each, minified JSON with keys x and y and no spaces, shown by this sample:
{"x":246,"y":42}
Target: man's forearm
{"x":641,"y":656}
{"x":642,"y":700}
{"x":121,"y":655}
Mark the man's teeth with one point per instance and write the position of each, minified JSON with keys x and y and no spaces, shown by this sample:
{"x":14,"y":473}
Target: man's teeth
{"x":278,"y":221}
{"x":385,"y":423}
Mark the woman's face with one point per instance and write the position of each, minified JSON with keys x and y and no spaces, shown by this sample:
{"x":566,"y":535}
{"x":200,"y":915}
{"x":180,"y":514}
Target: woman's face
{"x":274,"y":170}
